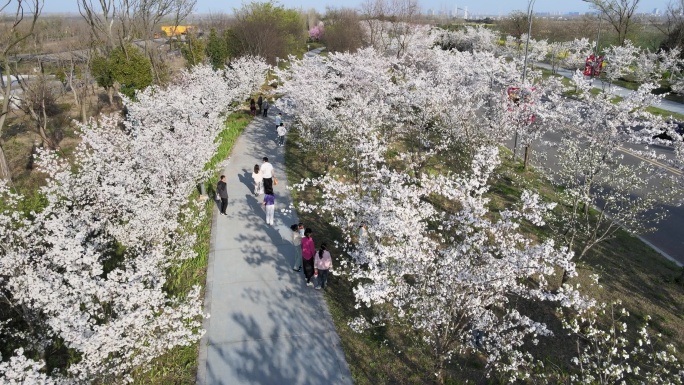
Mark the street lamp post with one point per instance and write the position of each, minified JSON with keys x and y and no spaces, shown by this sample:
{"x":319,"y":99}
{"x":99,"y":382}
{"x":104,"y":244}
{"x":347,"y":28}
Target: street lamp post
{"x":530,"y":6}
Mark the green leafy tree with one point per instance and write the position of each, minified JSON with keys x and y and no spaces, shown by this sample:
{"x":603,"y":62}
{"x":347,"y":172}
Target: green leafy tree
{"x":216,"y":50}
{"x":233,"y":43}
{"x":194,"y":51}
{"x":127,"y":66}
{"x":101,"y":69}
{"x":131,"y":69}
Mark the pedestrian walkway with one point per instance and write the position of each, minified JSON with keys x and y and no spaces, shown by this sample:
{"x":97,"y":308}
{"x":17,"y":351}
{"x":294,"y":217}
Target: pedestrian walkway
{"x":667,"y":105}
{"x":266,"y":326}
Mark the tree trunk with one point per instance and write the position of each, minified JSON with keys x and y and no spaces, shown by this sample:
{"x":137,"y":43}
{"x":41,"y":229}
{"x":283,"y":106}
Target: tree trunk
{"x":527,"y":156}
{"x":110,"y":95}
{"x":84,"y":113}
{"x":4,"y":167}
{"x":565,"y":277}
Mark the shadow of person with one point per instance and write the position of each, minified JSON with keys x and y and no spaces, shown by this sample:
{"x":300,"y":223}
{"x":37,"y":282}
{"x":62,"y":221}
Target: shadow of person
{"x":246,"y":179}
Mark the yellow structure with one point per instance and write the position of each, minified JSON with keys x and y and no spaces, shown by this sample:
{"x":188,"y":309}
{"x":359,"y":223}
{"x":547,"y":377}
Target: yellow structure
{"x":171,"y":30}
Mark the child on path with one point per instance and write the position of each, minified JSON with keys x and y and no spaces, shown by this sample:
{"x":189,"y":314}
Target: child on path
{"x":269,"y":205}
{"x":258,"y":181}
{"x":323,"y":264}
{"x":252,"y":107}
{"x":308,"y":251}
{"x":297,"y":235}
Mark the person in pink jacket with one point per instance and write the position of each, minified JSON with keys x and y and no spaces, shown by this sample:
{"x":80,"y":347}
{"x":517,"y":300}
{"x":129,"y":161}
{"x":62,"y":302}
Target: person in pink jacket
{"x":308,"y":251}
{"x":322,"y":265}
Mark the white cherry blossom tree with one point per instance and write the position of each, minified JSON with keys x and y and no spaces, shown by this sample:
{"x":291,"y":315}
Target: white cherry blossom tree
{"x":606,"y":354}
{"x":89,"y":270}
{"x":588,"y":164}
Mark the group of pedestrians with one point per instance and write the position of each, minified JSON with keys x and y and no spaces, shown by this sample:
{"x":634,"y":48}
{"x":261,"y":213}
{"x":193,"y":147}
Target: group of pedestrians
{"x":264,"y":179}
{"x":263,"y":105}
{"x":316,"y":263}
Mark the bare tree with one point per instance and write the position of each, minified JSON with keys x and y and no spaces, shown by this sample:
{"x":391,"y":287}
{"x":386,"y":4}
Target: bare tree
{"x":374,"y":12}
{"x":390,"y":23}
{"x":10,"y":37}
{"x":673,"y":26}
{"x":39,"y":101}
{"x":342,"y":32}
{"x":268,"y":30}
{"x":516,"y":24}
{"x":148,"y":14}
{"x":77,"y":77}
{"x":619,"y":14}
{"x":100,"y":18}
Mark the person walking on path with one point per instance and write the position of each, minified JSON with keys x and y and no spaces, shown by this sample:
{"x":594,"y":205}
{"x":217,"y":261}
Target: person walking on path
{"x":267,"y":174}
{"x":281,"y":134}
{"x":258,"y":181}
{"x":252,"y":107}
{"x":222,"y":191}
{"x":297,"y":235}
{"x":278,"y":121}
{"x":308,"y":252}
{"x":265,"y":107}
{"x":269,"y":205}
{"x":322,"y":265}
{"x":260,"y":101}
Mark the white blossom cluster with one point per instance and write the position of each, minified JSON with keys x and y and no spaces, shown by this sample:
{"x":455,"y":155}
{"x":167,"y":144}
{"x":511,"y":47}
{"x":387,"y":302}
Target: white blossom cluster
{"x":606,"y":355}
{"x":434,"y":252}
{"x":448,"y":276}
{"x":89,"y":270}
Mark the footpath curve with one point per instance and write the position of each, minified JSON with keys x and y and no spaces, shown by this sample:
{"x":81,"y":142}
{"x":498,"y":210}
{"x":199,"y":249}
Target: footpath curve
{"x":266,"y":326}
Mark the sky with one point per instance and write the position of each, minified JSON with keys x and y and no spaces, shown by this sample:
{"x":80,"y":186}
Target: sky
{"x":491,"y":7}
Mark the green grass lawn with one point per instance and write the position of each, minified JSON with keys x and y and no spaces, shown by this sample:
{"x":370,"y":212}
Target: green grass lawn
{"x":630,"y":271}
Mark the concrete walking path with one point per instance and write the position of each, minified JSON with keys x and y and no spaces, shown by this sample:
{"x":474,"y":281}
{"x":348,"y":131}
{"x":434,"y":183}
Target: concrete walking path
{"x":266,"y":326}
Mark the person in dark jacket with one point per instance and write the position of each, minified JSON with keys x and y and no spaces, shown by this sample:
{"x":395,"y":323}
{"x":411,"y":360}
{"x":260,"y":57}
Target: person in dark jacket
{"x":265,"y":106}
{"x":260,"y":101}
{"x":222,"y":191}
{"x":252,"y":107}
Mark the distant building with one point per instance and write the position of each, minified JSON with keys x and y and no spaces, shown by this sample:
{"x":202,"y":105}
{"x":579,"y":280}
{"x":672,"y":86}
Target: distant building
{"x":170,"y":30}
{"x":656,"y":11}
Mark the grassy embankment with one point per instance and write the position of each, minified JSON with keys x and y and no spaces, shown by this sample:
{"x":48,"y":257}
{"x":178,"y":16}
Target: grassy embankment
{"x":630,"y":271}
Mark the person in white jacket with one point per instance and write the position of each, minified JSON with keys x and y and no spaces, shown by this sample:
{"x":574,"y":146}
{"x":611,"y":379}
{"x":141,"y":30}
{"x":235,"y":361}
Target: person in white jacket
{"x":281,"y":134}
{"x":323,"y":264}
{"x":297,"y":234}
{"x":258,"y":181}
